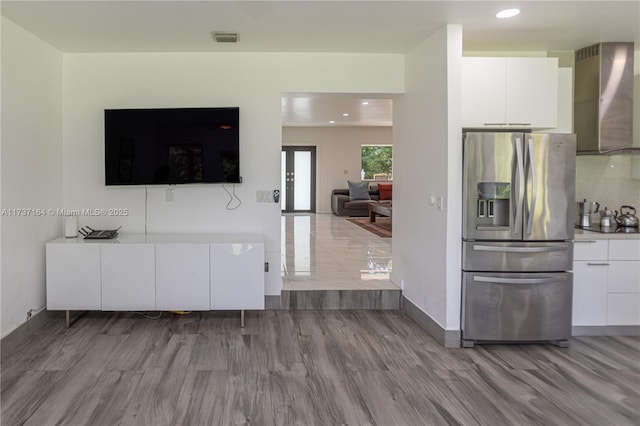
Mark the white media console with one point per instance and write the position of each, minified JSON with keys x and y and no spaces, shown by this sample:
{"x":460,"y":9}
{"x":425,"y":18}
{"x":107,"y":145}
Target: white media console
{"x":164,"y":272}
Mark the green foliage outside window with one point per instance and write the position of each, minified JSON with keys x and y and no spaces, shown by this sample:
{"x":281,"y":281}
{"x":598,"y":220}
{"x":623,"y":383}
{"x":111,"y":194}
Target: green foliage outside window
{"x":377,"y":159}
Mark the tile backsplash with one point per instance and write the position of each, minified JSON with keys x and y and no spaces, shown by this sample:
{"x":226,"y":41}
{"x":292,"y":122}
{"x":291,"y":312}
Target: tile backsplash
{"x":611,"y":180}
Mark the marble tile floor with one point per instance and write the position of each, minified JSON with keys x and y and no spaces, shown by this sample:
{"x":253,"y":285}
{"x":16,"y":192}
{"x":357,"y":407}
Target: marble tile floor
{"x":327,"y":252}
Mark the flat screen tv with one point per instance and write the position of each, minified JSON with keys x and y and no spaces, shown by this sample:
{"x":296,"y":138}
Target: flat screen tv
{"x":172,"y":146}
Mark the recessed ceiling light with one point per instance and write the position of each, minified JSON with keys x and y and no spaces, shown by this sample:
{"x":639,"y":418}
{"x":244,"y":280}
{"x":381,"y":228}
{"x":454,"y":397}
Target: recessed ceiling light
{"x":346,"y":114}
{"x":507,"y":13}
{"x":365,"y":103}
{"x":332,"y":122}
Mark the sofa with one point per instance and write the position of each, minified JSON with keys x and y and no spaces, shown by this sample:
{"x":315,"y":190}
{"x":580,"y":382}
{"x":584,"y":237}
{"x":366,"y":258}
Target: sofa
{"x":343,"y":205}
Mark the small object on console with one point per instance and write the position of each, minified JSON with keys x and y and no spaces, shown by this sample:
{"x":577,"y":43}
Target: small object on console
{"x":96,"y":234}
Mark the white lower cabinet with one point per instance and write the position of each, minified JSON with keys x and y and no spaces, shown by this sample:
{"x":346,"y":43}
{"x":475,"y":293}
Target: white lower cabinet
{"x":606,"y":283}
{"x":128,"y":277}
{"x":73,"y":276}
{"x":623,"y":309}
{"x":624,"y":276}
{"x":182,"y":277}
{"x":156,"y":272}
{"x":589,"y":293}
{"x":236,"y":267}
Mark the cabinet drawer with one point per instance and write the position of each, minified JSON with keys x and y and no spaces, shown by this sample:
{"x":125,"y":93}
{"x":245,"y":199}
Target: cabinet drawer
{"x":623,"y":309}
{"x":590,"y":250}
{"x":624,"y":249}
{"x":624,"y":276}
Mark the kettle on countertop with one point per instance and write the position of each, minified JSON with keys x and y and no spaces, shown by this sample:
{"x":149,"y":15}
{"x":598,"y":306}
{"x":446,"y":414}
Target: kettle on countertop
{"x":627,"y":219}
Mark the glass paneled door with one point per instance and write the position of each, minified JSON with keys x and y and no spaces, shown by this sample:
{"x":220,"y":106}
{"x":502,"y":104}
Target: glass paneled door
{"x":298,"y":179}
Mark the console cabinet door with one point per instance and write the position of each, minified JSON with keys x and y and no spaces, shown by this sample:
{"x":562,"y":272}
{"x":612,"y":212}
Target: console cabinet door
{"x":128,"y":277}
{"x":73,"y":276}
{"x":237,"y":276}
{"x":182,"y":277}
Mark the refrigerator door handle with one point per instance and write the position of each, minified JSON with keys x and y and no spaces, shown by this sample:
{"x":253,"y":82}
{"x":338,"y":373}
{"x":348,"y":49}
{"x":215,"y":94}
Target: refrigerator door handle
{"x":519,"y":249}
{"x":517,"y":226}
{"x":534,"y":186}
{"x":502,"y":280}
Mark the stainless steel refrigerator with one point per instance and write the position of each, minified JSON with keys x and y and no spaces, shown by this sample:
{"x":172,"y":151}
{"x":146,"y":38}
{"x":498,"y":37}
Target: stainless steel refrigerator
{"x":518,"y":213}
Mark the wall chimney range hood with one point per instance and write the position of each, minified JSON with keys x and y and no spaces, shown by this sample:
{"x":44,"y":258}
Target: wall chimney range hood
{"x":603,"y":99}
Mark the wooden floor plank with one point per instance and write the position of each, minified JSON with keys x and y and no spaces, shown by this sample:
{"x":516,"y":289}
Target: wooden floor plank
{"x":307,"y":368}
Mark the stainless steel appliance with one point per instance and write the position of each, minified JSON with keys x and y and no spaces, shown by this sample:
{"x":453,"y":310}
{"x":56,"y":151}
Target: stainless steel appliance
{"x":518,"y":213}
{"x":585,"y":208}
{"x":605,"y":217}
{"x":613,"y":229}
{"x":603,"y":98}
{"x":628,"y":219}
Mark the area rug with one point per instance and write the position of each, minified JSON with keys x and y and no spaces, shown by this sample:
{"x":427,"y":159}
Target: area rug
{"x":381,"y":227}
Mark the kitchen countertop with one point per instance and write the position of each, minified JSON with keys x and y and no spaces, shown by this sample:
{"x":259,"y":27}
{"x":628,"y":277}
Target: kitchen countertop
{"x":583,"y":234}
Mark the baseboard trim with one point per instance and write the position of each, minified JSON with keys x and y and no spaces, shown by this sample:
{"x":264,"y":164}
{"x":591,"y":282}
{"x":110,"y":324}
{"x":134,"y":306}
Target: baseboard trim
{"x":447,"y":338}
{"x":605,"y":330}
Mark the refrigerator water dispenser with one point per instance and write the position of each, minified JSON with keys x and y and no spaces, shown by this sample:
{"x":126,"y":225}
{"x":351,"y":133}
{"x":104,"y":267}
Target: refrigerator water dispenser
{"x":492,"y":204}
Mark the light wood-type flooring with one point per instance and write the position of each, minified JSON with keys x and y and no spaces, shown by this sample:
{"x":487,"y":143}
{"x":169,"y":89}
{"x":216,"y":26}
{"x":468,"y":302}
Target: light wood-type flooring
{"x":307,"y":368}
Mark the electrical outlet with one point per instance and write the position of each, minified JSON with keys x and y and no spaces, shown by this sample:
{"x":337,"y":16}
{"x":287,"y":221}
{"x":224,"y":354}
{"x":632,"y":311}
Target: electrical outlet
{"x":169,"y":195}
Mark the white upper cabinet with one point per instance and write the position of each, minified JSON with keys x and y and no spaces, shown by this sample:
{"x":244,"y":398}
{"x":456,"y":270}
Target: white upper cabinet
{"x":509,"y":92}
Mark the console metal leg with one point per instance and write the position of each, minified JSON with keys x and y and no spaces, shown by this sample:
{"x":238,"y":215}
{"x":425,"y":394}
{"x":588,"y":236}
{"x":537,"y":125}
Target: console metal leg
{"x":68,"y":319}
{"x":242,"y":318}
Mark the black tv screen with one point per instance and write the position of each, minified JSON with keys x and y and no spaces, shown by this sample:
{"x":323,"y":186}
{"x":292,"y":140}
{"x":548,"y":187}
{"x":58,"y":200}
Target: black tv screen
{"x":172,"y":146}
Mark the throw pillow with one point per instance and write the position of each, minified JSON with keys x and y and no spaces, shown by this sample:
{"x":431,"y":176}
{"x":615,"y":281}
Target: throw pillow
{"x":358,"y":190}
{"x":385,"y":190}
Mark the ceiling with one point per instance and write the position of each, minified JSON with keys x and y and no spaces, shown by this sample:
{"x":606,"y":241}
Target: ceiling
{"x":322,"y":26}
{"x":336,"y":109}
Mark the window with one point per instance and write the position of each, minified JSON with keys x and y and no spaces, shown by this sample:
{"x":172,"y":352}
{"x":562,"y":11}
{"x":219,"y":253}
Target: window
{"x":377,"y":161}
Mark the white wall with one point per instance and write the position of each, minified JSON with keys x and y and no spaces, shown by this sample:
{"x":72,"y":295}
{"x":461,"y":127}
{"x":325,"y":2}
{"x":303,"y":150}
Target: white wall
{"x":31,"y":167}
{"x":254,"y":82}
{"x":427,"y":161}
{"x":337,"y":150}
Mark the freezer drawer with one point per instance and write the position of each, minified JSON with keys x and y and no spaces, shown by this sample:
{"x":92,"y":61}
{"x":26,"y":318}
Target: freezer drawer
{"x":516,"y":307}
{"x":516,"y":257}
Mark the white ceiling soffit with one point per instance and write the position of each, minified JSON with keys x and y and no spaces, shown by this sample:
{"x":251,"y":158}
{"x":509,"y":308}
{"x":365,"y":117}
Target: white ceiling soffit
{"x":320,"y":26}
{"x":332,"y":109}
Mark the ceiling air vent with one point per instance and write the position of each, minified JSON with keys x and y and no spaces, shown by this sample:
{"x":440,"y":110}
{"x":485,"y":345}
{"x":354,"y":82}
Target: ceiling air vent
{"x":225,"y":37}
